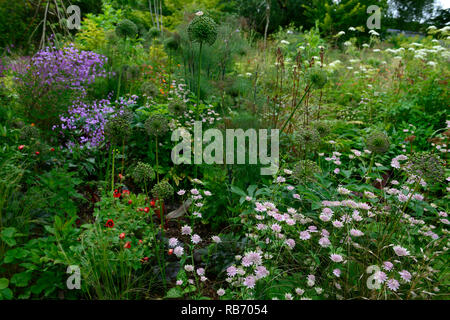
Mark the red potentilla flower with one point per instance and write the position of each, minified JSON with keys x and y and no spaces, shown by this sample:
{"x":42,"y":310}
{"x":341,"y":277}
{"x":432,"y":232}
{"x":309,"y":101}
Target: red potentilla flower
{"x":130,"y":202}
{"x":121,"y":176}
{"x":170,"y":252}
{"x":141,"y":209}
{"x":37,"y":153}
{"x":127,"y":192}
{"x":52,"y":149}
{"x":110,"y":223}
{"x":127,"y":245}
{"x":147,"y":209}
{"x":117,"y":194}
{"x":122,"y":235}
{"x":140,"y":241}
{"x":21,"y":147}
{"x":152,"y":203}
{"x":145,"y":259}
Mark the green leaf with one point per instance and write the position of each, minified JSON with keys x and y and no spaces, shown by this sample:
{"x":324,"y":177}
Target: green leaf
{"x":6,"y":294}
{"x":21,"y":279}
{"x":4,"y":283}
{"x":238,"y":191}
{"x":174,"y":293}
{"x":7,"y":235}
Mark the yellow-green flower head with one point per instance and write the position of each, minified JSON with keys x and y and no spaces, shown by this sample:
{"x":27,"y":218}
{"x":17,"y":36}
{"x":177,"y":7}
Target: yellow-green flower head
{"x":156,"y":125}
{"x":378,"y":142}
{"x":308,"y":139}
{"x":162,"y":190}
{"x":202,"y":29}
{"x":427,"y":166}
{"x":126,"y":29}
{"x":317,"y":77}
{"x":143,"y":173}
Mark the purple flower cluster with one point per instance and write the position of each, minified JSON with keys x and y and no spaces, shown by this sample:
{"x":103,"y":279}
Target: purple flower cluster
{"x":66,"y":68}
{"x":85,"y":123}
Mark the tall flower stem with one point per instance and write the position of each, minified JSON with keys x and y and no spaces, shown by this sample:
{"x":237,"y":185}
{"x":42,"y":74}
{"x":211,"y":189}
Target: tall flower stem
{"x":295,"y":109}
{"x":112,"y":170}
{"x":198,"y":77}
{"x":157,"y":161}
{"x":123,"y":155}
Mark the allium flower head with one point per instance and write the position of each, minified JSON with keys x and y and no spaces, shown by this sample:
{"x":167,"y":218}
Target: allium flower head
{"x":156,"y":125}
{"x":202,"y":29}
{"x":317,"y":77}
{"x":378,"y":142}
{"x":305,"y":169}
{"x":162,"y":190}
{"x":143,"y":173}
{"x":126,"y":29}
{"x":426,"y":165}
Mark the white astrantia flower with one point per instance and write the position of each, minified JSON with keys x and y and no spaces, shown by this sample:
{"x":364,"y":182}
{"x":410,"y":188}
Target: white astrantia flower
{"x":199,"y":13}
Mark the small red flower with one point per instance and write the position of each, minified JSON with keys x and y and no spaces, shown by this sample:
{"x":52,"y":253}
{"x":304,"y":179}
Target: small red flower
{"x":52,"y":149}
{"x":127,"y":192}
{"x":140,"y":241}
{"x":170,"y":252}
{"x":21,"y":147}
{"x":145,"y":259}
{"x":152,"y":203}
{"x":127,"y":245}
{"x":117,"y":194}
{"x":146,"y":209}
{"x":121,"y":176}
{"x":110,"y":223}
{"x":37,"y":153}
{"x":130,"y":202}
{"x":140,"y":209}
{"x":122,"y":235}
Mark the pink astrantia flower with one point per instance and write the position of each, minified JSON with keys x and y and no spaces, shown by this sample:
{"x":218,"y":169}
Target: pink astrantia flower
{"x":393,"y":284}
{"x":337,"y":224}
{"x":231,"y":271}
{"x":305,"y":235}
{"x":178,"y":251}
{"x":290,"y":243}
{"x":261,"y":272}
{"x":387,"y":266}
{"x":173,"y":242}
{"x":400,"y":251}
{"x":186,"y":230}
{"x":324,"y":242}
{"x":405,"y":275}
{"x":276,"y":228}
{"x":380,"y":276}
{"x":250,"y":282}
{"x":196,"y":239}
{"x":356,"y":233}
{"x":336,"y":257}
{"x":201,"y":271}
{"x":337,"y":272}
